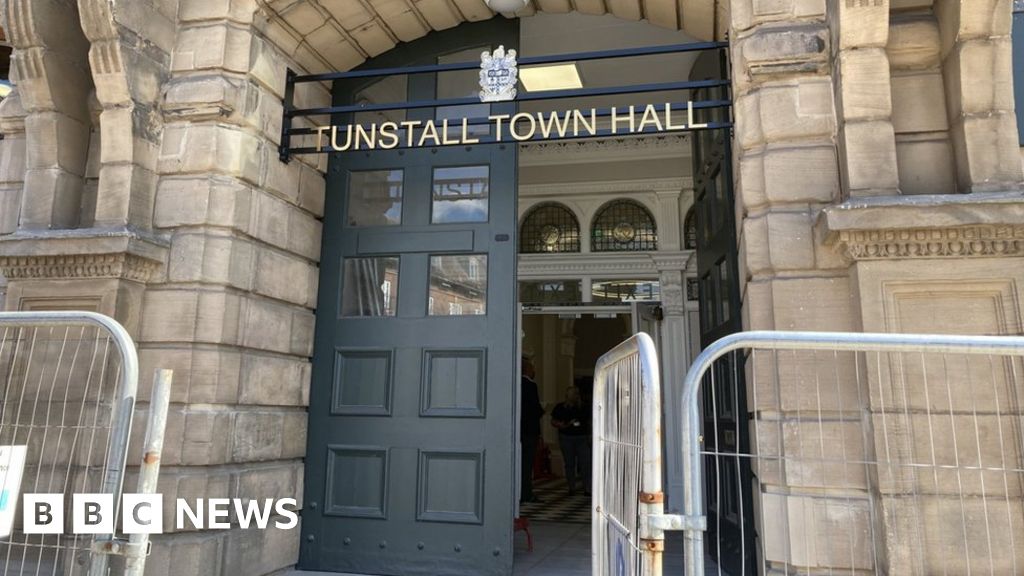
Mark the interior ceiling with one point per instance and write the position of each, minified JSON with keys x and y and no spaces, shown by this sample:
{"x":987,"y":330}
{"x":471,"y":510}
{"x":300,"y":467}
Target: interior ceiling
{"x":573,"y":32}
{"x":338,"y":35}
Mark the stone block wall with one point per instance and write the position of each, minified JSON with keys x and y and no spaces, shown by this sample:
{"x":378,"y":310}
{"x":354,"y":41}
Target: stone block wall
{"x":188,"y":229}
{"x":834,"y":104}
{"x":233,"y":316}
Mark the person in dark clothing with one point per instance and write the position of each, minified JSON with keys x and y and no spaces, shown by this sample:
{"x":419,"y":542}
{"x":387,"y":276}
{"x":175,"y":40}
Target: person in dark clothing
{"x":530,"y":412}
{"x":572,"y":419}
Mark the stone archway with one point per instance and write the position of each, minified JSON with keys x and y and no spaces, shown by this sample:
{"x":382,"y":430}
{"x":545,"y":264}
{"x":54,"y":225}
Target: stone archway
{"x":332,"y":35}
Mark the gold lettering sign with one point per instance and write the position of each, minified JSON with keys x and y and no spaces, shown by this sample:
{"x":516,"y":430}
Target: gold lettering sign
{"x":505,"y":127}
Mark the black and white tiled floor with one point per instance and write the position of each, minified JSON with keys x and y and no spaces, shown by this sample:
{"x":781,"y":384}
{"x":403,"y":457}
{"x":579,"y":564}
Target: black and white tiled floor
{"x":556,"y":505}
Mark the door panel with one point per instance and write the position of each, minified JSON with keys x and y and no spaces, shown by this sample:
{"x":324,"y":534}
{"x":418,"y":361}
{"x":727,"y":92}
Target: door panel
{"x":731,"y":536}
{"x":409,"y":465}
{"x":646,"y":317}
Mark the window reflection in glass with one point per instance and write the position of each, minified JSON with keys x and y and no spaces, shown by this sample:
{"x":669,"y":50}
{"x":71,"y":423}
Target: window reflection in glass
{"x":375,"y":198}
{"x":460,"y":194}
{"x":369,"y":286}
{"x":614,"y":291}
{"x":546,"y":292}
{"x":458,"y":285}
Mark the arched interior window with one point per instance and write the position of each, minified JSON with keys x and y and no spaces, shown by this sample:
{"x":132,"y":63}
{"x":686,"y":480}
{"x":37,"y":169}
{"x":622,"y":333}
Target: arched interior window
{"x":690,"y":229}
{"x":623,"y":225}
{"x":549,"y":228}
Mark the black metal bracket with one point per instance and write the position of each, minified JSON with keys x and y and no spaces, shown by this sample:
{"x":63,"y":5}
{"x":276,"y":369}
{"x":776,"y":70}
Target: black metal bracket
{"x":284,"y":148}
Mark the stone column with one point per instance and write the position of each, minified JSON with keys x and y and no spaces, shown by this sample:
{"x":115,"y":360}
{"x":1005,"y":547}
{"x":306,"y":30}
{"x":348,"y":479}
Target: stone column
{"x":674,"y":356}
{"x":12,"y":161}
{"x":923,"y":147}
{"x":786,"y":172}
{"x":975,"y":36}
{"x":52,"y":74}
{"x":128,"y":80}
{"x":867,"y":142}
{"x":233,"y":316}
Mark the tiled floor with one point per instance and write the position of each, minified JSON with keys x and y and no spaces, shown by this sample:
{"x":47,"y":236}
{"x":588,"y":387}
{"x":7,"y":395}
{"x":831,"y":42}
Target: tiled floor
{"x":558,"y":549}
{"x":556,"y":505}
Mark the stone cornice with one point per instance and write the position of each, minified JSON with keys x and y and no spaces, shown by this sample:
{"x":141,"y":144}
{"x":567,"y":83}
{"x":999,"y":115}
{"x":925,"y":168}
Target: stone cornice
{"x":604,"y":150}
{"x":960,"y":242}
{"x":960,"y":226}
{"x":81,"y":254}
{"x":123,"y":266}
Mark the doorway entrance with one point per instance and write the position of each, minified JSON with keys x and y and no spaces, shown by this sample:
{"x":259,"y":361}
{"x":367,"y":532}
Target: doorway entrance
{"x":412,"y":437}
{"x":563,"y":348}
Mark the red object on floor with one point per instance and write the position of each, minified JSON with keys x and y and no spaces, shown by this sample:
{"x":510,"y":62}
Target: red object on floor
{"x":524,"y":525}
{"x":542,"y":462}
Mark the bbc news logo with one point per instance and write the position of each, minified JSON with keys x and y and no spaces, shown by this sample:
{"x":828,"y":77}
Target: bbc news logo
{"x":144,"y":514}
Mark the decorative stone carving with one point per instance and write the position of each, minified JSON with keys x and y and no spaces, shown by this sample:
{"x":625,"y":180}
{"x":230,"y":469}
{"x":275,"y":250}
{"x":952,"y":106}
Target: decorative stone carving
{"x":580,"y":187}
{"x":673,"y":300}
{"x":539,"y":266}
{"x":569,"y":151}
{"x":119,"y":265}
{"x":961,"y":242}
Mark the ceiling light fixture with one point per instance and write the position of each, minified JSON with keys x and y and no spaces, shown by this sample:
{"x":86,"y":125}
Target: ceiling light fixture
{"x":507,"y":6}
{"x":552,"y":77}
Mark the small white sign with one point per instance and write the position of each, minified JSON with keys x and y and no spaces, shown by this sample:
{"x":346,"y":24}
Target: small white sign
{"x":12,"y":465}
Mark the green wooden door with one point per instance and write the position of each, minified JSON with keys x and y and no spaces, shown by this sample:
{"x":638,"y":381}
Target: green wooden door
{"x":411,"y":420}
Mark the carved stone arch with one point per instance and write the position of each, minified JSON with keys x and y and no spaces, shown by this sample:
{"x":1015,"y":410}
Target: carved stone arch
{"x":362,"y":30}
{"x":129,"y":67}
{"x":51,"y":72}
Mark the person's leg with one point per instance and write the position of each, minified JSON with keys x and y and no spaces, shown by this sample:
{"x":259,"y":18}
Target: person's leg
{"x":585,"y":458}
{"x":529,"y":447}
{"x":569,"y":458}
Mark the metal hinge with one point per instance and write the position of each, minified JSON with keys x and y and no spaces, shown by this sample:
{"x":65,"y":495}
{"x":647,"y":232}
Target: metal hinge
{"x":664,"y":522}
{"x":122,"y":547}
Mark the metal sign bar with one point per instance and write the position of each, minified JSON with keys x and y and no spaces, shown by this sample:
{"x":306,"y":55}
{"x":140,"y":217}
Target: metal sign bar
{"x":599,"y":113}
{"x":546,"y":95}
{"x":291,"y":112}
{"x":604,"y":133}
{"x":525,"y":61}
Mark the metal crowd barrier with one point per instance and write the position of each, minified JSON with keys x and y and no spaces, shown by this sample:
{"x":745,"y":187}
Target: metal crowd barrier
{"x":845,"y":453}
{"x":68,"y":383}
{"x":628,"y":520}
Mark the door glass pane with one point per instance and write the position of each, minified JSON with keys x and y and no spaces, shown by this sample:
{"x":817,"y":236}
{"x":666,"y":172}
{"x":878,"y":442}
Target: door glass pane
{"x":375,"y":198}
{"x":458,"y":285}
{"x":460,"y":194}
{"x":724,"y":289}
{"x":369,"y":286}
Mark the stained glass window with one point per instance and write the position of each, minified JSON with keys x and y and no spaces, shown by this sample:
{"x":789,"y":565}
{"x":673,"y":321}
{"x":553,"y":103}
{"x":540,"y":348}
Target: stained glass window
{"x":623,"y":225}
{"x":547,"y":228}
